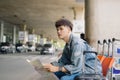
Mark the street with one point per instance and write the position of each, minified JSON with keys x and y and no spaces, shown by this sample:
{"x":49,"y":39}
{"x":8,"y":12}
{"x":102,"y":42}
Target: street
{"x":15,"y":67}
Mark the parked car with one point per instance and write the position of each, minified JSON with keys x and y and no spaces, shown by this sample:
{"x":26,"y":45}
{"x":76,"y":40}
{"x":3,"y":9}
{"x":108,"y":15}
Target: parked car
{"x":6,"y":47}
{"x":48,"y":49}
{"x":39,"y":47}
{"x":12,"y":48}
{"x":21,"y":48}
{"x":31,"y":47}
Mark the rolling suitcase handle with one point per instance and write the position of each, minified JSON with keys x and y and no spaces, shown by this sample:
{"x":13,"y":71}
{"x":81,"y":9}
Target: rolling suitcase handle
{"x":100,"y":55}
{"x":98,"y":43}
{"x":89,"y":52}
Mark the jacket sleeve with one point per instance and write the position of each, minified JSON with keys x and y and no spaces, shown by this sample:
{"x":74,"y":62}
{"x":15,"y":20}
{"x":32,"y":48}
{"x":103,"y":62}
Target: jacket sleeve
{"x":76,"y":58}
{"x":63,"y":60}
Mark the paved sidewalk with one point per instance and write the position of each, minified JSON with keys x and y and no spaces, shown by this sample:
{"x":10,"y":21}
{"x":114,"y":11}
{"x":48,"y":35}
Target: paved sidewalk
{"x":15,"y":67}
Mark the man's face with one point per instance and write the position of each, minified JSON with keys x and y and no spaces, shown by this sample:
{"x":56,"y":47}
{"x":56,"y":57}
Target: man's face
{"x":63,"y":31}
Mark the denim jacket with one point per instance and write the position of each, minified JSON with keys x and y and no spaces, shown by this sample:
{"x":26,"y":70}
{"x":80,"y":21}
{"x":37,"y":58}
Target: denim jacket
{"x":72,"y":57}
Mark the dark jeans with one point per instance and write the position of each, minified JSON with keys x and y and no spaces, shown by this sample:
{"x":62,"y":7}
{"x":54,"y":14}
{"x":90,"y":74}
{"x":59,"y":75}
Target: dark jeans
{"x":64,"y":76}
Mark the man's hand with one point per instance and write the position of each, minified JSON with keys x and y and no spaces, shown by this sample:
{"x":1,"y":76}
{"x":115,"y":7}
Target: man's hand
{"x":51,"y":68}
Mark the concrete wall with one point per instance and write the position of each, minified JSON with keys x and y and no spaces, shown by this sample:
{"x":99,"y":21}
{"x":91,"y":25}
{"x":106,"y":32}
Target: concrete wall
{"x":103,"y":19}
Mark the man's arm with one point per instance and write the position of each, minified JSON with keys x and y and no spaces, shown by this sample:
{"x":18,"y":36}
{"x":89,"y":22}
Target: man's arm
{"x":50,"y":67}
{"x":76,"y":58}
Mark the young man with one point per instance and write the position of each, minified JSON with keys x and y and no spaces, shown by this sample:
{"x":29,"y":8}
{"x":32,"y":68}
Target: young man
{"x":70,"y":63}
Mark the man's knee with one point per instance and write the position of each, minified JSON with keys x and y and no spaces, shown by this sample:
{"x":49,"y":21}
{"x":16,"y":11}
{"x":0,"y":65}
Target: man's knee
{"x":66,"y":77}
{"x":59,"y":74}
{"x":63,"y":78}
{"x":69,"y":77}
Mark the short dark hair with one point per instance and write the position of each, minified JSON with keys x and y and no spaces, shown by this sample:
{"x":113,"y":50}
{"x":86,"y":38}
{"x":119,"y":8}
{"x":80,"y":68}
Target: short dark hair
{"x":63,"y":22}
{"x":82,"y":36}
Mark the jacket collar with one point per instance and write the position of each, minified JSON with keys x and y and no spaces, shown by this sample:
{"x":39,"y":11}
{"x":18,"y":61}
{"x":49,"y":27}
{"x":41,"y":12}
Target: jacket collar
{"x":70,"y":39}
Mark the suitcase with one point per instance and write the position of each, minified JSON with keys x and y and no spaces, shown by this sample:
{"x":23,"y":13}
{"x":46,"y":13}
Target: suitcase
{"x":93,"y":76}
{"x":115,"y":49}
